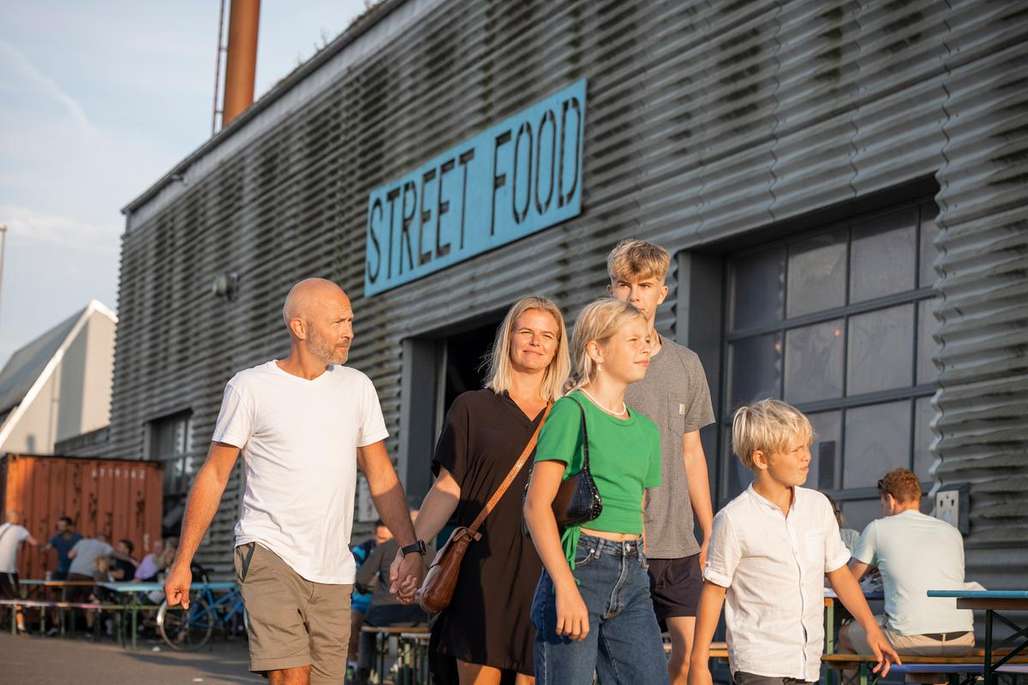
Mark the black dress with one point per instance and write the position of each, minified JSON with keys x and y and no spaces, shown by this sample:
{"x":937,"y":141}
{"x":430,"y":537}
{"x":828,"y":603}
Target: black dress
{"x":488,"y":621}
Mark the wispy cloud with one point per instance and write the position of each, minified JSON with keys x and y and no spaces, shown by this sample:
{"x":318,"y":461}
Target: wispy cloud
{"x":30,"y":226}
{"x":23,"y":67}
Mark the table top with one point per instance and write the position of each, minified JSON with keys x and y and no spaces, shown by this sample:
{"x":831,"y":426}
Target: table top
{"x":39,"y":582}
{"x":151,"y":587}
{"x":980,"y":594}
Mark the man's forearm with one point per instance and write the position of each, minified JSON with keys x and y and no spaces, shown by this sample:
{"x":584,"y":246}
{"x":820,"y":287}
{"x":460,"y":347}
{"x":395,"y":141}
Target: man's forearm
{"x":386,"y":491}
{"x":204,"y":498}
{"x":393,"y":510}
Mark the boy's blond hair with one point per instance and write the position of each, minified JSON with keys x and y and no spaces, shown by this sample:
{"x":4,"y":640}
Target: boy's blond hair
{"x":632,"y":259}
{"x":769,"y":426}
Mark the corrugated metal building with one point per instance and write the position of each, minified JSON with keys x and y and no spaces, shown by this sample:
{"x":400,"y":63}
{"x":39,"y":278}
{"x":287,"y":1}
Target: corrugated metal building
{"x":842,"y":183}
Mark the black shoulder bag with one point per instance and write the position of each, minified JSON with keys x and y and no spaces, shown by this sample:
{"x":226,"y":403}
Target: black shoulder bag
{"x":578,"y":499}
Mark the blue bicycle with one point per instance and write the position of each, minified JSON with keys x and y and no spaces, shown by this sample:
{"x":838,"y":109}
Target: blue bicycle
{"x":190,"y":629}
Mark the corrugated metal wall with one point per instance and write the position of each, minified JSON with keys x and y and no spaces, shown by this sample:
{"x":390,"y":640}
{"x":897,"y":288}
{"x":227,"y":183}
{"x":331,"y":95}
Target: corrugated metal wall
{"x":705,"y":120}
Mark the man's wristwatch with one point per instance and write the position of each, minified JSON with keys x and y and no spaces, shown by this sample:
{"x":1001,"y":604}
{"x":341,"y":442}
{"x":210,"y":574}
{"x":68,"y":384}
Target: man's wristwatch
{"x":418,"y":546}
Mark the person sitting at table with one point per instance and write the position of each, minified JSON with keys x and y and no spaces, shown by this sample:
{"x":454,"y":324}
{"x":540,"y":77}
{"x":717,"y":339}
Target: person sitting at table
{"x":386,"y":610}
{"x":150,"y":566}
{"x":360,"y":602}
{"x":914,"y":553}
{"x":83,"y":566}
{"x":123,"y":565}
{"x":848,"y":535}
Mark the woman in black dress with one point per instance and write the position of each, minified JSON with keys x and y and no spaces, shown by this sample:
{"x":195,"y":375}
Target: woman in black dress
{"x":487,"y":626}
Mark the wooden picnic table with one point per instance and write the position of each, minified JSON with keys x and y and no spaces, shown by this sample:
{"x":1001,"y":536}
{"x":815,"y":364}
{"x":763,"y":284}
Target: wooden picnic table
{"x":991,"y":601}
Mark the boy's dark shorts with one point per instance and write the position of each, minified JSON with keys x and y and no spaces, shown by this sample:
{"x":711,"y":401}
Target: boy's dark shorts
{"x":675,"y":585}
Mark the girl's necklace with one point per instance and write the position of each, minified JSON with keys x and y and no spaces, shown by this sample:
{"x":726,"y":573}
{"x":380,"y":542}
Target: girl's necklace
{"x":618,"y":415}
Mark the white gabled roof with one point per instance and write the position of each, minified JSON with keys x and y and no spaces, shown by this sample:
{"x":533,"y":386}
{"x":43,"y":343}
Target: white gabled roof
{"x":30,"y":367}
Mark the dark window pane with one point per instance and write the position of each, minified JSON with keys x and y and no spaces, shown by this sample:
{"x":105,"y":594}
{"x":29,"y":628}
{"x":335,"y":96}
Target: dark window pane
{"x":929,"y":232}
{"x":924,"y":414}
{"x":755,"y":369}
{"x":883,"y":260}
{"x":817,"y":274}
{"x":877,"y":439}
{"x":927,"y":325}
{"x":826,"y":452}
{"x":880,"y":350}
{"x":758,"y":288}
{"x":858,"y":513}
{"x":813,"y":362}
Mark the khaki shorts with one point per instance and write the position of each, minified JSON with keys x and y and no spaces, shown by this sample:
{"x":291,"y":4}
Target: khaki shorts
{"x":293,"y":622}
{"x":914,"y":645}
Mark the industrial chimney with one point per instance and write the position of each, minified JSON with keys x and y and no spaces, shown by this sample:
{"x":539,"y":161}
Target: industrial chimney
{"x":241,"y":64}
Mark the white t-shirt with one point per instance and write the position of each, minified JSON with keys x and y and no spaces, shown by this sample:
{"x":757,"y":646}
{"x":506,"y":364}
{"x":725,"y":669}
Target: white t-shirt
{"x":763,"y":557}
{"x":11,"y":537}
{"x":87,"y":550}
{"x":299,"y":441}
{"x":916,"y":553}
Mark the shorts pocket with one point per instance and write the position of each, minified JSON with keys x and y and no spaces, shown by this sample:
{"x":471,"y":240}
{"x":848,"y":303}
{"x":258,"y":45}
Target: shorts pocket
{"x":244,"y":560}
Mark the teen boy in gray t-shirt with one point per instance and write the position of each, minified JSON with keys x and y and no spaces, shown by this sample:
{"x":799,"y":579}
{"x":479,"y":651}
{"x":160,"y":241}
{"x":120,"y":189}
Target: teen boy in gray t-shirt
{"x":674,"y":394}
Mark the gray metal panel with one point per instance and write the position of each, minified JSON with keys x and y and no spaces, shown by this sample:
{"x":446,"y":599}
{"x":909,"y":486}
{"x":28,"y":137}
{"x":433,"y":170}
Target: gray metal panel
{"x":706,"y":120}
{"x":983,"y":260}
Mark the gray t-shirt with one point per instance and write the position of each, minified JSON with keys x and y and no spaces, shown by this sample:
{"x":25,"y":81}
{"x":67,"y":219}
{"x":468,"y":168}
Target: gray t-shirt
{"x":87,"y":550}
{"x":675,"y":396}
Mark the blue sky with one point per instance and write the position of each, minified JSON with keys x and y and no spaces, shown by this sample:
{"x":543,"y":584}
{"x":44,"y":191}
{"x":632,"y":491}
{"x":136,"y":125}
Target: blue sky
{"x":97,"y":101}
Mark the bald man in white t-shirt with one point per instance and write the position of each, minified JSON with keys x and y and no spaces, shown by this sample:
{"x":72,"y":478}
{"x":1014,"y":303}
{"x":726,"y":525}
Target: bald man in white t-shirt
{"x":303,"y":425}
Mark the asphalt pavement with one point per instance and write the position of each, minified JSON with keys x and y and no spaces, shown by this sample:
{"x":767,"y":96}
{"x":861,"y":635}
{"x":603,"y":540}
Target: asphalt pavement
{"x":31,"y":660}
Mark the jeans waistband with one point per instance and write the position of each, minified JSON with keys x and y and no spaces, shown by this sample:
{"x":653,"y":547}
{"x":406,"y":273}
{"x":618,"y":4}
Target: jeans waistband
{"x":629,"y":548}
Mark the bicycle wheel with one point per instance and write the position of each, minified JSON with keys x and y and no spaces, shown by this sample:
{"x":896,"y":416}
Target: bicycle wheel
{"x":186,"y":629}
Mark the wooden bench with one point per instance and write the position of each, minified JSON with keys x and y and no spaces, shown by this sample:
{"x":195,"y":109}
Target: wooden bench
{"x":958,"y":669}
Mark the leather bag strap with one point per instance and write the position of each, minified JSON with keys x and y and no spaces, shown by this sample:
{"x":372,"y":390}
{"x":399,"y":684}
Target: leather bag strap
{"x":585,"y":437}
{"x":518,"y":465}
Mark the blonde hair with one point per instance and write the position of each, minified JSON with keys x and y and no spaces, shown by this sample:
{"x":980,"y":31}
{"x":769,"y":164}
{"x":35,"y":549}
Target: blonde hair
{"x":599,"y":321}
{"x":633,"y":258}
{"x":768,"y":426}
{"x":500,"y":369}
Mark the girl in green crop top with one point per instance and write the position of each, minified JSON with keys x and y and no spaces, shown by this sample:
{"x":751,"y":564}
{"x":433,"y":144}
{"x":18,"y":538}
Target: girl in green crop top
{"x":594,"y":582}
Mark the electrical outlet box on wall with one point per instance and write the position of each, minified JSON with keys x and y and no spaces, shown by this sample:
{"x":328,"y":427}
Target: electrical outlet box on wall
{"x":953,"y":504}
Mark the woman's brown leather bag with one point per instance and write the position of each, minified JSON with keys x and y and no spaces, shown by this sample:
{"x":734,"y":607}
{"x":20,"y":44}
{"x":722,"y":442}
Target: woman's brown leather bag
{"x":436,"y":590}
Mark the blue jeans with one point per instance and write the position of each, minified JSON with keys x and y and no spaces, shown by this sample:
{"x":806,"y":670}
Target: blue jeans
{"x":624,"y":643}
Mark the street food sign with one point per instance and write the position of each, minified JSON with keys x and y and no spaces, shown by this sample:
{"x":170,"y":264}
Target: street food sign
{"x":513,"y":179}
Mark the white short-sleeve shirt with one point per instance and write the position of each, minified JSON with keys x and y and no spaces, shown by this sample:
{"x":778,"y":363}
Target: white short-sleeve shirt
{"x":299,"y":441}
{"x":916,"y":553}
{"x":773,"y":566}
{"x":11,"y":537}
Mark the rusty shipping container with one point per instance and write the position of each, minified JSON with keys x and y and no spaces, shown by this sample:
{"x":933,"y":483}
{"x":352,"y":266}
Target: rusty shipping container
{"x":120,"y":498}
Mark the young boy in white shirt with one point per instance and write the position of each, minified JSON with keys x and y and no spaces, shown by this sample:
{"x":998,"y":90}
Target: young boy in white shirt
{"x":771,"y":548}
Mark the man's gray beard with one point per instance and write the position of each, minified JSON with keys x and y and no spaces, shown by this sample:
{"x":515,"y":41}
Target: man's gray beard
{"x":327,"y":353}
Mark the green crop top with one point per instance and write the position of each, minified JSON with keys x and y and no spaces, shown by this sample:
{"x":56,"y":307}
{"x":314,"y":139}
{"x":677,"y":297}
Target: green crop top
{"x":624,"y":459}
